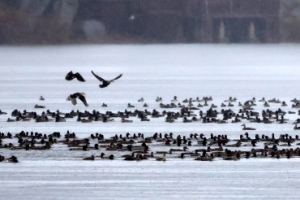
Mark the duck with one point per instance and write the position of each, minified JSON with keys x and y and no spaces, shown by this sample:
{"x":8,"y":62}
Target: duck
{"x":274,"y":100}
{"x":110,"y":157}
{"x":163,"y":158}
{"x":10,"y":120}
{"x":158,"y":99}
{"x":145,"y":119}
{"x":126,"y":120}
{"x":186,"y":120}
{"x":230,"y":99}
{"x":87,"y":120}
{"x":219,"y":121}
{"x":130,"y":106}
{"x":44,"y":147}
{"x":70,"y":76}
{"x":13,"y":159}
{"x":237,"y":144}
{"x":296,"y":127}
{"x":199,"y":105}
{"x":247,"y":128}
{"x":131,"y":157}
{"x":183,"y":149}
{"x":80,"y":148}
{"x":231,"y":158}
{"x":105,"y":83}
{"x":262,"y":100}
{"x":58,"y":118}
{"x":213,"y":106}
{"x":104,"y":105}
{"x":79,"y":96}
{"x":41,"y":98}
{"x":92,"y":157}
{"x":38,"y":106}
{"x":205,"y":158}
{"x":141,"y":100}
{"x":174,"y":99}
{"x":230,"y":104}
{"x":294,"y":100}
{"x":169,"y":119}
{"x":2,"y":113}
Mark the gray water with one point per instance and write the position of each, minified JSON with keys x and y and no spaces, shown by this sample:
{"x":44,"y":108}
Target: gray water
{"x":149,"y":71}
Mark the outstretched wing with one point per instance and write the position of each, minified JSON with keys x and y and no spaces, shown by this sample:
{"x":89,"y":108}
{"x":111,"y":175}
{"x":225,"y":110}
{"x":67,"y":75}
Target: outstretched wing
{"x":69,"y":76}
{"x":79,"y":77}
{"x":82,"y":98}
{"x":98,"y":77}
{"x":116,"y":78}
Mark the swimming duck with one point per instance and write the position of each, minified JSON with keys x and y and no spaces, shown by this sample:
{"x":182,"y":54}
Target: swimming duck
{"x":105,"y":83}
{"x":205,"y":158}
{"x":174,"y":99}
{"x":92,"y":157}
{"x":186,"y":120}
{"x":231,"y":158}
{"x":141,"y":100}
{"x":230,"y":104}
{"x":70,"y":76}
{"x":158,"y":99}
{"x":262,"y":100}
{"x":231,"y":99}
{"x":104,"y":105}
{"x":183,"y":149}
{"x":247,"y":128}
{"x":130,"y":106}
{"x":295,"y":100}
{"x":296,"y":127}
{"x":38,"y":106}
{"x":2,"y":113}
{"x":199,"y":105}
{"x":163,"y":158}
{"x":110,"y":157}
{"x":10,"y":120}
{"x":126,"y":120}
{"x":13,"y":159}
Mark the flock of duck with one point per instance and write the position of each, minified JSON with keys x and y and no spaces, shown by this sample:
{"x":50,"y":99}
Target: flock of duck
{"x":187,"y":111}
{"x":159,"y":147}
{"x":162,"y":147}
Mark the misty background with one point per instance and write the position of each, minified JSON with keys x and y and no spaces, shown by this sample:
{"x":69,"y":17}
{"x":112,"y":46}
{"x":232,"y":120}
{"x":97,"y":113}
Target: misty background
{"x":157,"y":21}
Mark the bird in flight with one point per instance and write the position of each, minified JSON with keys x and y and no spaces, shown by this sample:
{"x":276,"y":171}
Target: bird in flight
{"x":105,"y":83}
{"x":79,"y":96}
{"x":70,"y":76}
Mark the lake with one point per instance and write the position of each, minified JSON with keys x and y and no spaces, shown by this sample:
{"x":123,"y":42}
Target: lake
{"x":149,"y":71}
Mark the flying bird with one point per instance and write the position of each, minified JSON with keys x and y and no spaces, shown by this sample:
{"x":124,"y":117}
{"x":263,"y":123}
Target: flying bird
{"x":70,"y":76}
{"x":105,"y":83}
{"x":79,"y":96}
